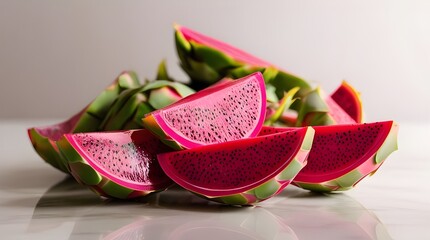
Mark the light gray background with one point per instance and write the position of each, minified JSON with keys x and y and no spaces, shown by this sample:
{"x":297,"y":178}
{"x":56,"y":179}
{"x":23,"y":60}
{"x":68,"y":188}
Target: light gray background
{"x":56,"y":56}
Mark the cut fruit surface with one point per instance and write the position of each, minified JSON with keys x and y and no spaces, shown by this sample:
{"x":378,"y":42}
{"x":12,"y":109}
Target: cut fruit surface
{"x":348,"y":98}
{"x":342,"y":155}
{"x":243,"y":171}
{"x":228,"y":111}
{"x":119,"y":164}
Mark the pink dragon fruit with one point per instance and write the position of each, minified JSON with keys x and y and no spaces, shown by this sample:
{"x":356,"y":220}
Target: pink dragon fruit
{"x":243,"y":171}
{"x":348,"y":98}
{"x":118,"y":164}
{"x":206,"y":60}
{"x":342,"y":155}
{"x":224,"y":112}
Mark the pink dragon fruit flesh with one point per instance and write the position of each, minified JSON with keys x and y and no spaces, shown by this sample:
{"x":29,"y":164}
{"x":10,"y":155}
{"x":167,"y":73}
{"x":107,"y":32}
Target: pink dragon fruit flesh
{"x":224,"y":112}
{"x":342,"y":155}
{"x":240,"y":172}
{"x":120,"y":164}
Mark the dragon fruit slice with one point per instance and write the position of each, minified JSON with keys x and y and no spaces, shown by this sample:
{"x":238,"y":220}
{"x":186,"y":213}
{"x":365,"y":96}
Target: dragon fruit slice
{"x":348,"y":98}
{"x":43,"y":138}
{"x":342,"y":155}
{"x":243,"y":171}
{"x":207,"y":60}
{"x":224,"y":112}
{"x":120,"y":164}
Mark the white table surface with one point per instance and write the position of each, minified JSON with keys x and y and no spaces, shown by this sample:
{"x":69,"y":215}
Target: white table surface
{"x":38,"y":202}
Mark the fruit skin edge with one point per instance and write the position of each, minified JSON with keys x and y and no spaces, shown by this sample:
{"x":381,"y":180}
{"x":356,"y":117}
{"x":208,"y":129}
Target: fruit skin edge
{"x":367,"y":168}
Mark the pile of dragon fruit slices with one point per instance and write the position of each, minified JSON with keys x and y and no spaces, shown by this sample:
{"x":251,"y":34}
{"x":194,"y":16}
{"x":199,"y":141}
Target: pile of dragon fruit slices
{"x":238,"y":133}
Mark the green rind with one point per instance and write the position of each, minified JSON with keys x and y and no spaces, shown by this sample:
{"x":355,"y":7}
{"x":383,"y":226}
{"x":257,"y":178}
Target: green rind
{"x":315,"y":187}
{"x":217,"y":60}
{"x":389,"y":145}
{"x":308,"y":140}
{"x":348,"y":180}
{"x":151,"y":124}
{"x":85,"y":173}
{"x":112,"y":189}
{"x":236,"y":199}
{"x":267,"y":189}
{"x":44,"y":147}
{"x":291,"y":171}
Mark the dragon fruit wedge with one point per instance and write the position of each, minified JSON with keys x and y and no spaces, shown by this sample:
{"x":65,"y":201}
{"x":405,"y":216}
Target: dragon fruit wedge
{"x":349,"y":99}
{"x":207,"y":60}
{"x":240,"y":172}
{"x":342,"y":155}
{"x":120,"y":164}
{"x":224,"y":112}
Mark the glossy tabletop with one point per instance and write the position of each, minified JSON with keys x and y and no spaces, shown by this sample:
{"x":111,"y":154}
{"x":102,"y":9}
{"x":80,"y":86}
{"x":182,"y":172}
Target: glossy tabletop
{"x":38,"y":202}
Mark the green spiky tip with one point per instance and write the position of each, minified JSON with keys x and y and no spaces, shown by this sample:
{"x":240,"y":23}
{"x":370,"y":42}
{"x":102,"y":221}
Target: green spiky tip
{"x":117,"y":105}
{"x":126,"y":112}
{"x":199,"y":71}
{"x":162,"y":73}
{"x":270,"y":74}
{"x":313,"y":110}
{"x":284,"y":104}
{"x":214,"y":58}
{"x":181,"y":89}
{"x":243,"y":71}
{"x":136,"y":122}
{"x":284,"y":82}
